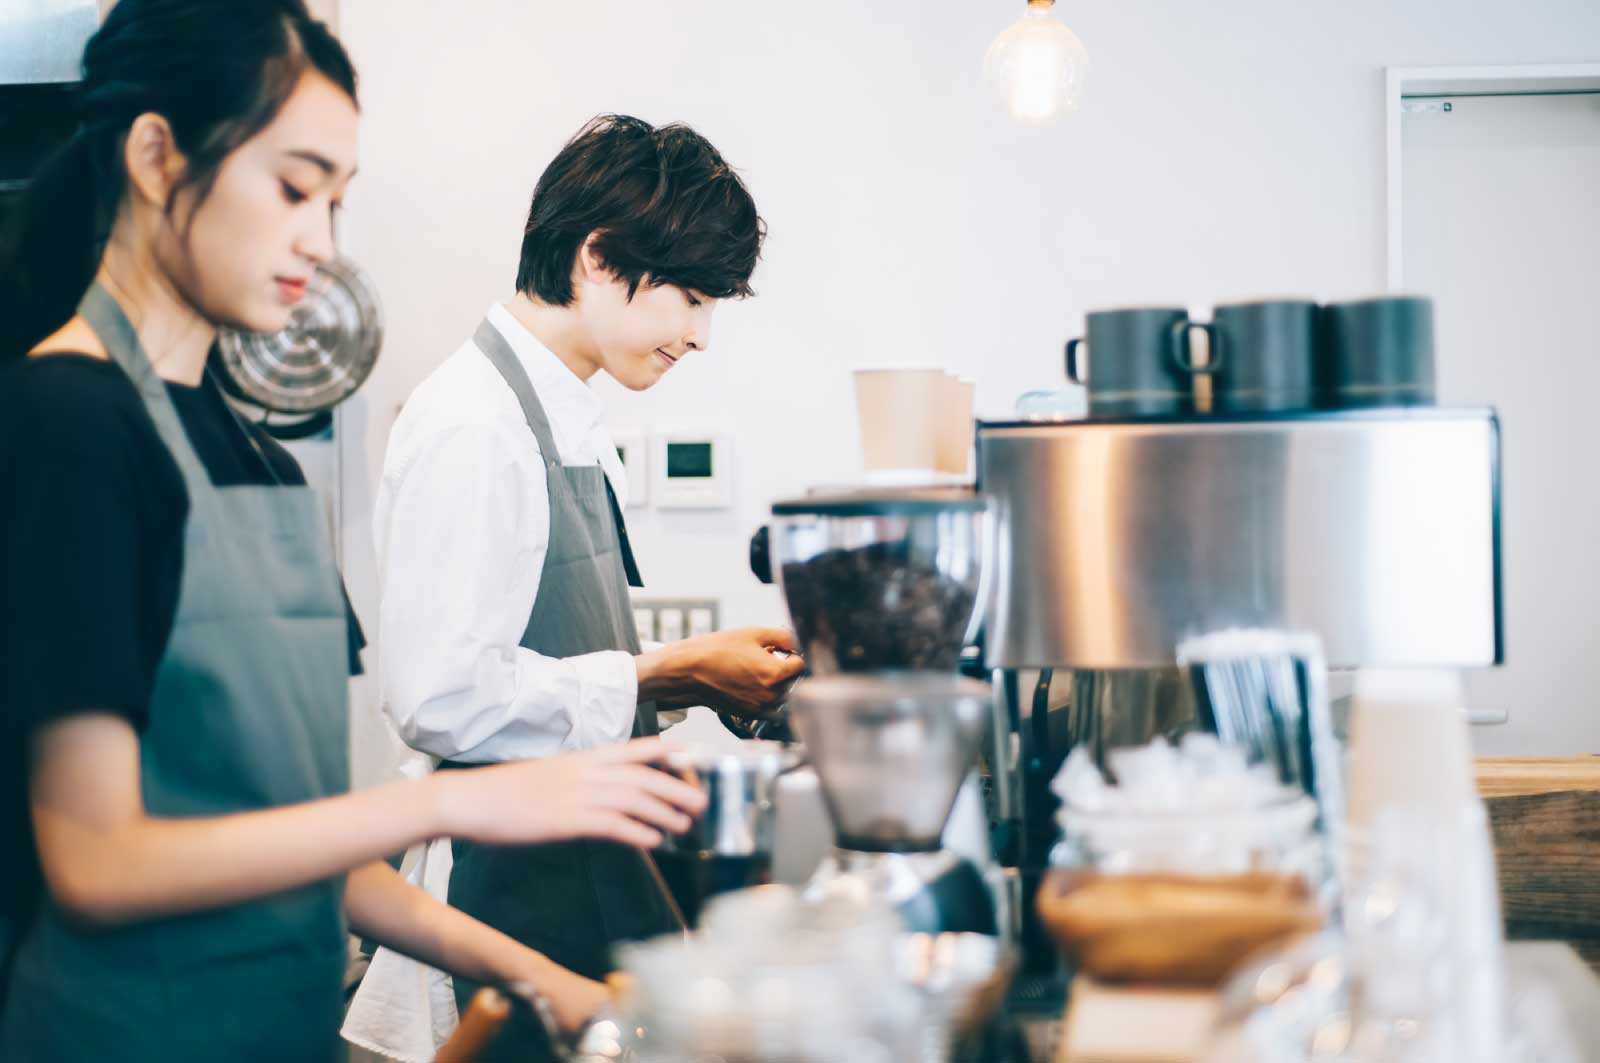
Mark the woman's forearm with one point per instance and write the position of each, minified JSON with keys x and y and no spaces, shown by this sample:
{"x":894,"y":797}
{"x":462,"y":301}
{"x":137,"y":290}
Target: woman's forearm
{"x":386,"y":908}
{"x":107,"y":862}
{"x":158,"y":866}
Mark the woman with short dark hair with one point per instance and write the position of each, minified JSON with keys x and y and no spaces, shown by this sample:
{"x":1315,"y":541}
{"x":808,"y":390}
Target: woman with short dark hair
{"x":174,"y":661}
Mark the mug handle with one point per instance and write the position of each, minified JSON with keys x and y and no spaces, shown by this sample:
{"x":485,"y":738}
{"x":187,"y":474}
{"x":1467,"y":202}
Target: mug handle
{"x":1181,"y":358}
{"x":1073,"y":362}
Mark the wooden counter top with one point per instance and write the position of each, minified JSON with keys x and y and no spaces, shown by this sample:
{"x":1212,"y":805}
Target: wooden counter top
{"x":1520,"y":776}
{"x":1545,"y":815}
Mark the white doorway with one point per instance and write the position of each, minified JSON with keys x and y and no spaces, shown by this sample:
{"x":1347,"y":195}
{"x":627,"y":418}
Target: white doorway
{"x":1495,"y":213}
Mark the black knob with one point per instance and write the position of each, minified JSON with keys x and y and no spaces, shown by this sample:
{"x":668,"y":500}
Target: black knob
{"x":760,"y":557}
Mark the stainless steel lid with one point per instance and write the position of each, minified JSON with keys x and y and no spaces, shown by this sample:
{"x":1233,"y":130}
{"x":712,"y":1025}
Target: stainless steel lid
{"x":867,"y":502}
{"x":325,"y":353}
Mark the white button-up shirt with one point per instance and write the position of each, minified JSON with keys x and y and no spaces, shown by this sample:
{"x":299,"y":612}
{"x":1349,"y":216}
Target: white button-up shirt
{"x":462,"y":525}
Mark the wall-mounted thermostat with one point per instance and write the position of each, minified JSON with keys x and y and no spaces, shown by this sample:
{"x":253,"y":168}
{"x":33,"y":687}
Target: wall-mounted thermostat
{"x":692,"y":469}
{"x":634,"y":452}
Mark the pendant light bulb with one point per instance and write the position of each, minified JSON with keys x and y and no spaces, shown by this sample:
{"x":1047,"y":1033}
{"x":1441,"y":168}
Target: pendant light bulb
{"x":1037,"y":66}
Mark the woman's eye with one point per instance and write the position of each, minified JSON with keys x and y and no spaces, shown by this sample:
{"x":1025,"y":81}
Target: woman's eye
{"x":293,"y":194}
{"x":692,"y":300}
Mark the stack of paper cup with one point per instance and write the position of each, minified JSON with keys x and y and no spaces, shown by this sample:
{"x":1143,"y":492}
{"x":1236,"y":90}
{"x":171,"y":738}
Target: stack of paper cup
{"x":1408,"y":745}
{"x":1410,"y":757}
{"x":954,"y":459}
{"x":916,"y":424}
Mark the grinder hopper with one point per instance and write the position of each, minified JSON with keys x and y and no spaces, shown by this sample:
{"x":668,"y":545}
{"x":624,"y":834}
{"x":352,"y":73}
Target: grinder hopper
{"x":882,"y":580}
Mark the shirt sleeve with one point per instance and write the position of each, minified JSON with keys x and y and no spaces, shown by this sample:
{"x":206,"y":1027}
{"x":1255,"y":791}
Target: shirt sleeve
{"x":466,"y":531}
{"x":76,"y":635}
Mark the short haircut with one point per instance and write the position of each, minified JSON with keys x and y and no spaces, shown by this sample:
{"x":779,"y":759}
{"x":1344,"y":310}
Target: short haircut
{"x":665,"y":208}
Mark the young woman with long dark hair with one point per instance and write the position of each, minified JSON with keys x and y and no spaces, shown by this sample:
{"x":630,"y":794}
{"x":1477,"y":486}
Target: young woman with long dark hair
{"x":182,"y":856}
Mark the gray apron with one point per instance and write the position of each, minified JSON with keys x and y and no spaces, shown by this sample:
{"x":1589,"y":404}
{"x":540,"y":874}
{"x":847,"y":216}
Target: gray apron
{"x":570,"y":900}
{"x":247,"y":712}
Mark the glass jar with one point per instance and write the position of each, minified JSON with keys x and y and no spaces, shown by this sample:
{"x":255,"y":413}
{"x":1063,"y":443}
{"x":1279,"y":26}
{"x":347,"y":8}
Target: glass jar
{"x":1182,"y":897}
{"x":771,"y":979}
{"x":1279,"y":836}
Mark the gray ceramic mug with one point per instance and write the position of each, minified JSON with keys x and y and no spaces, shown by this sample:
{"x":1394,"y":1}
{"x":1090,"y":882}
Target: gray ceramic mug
{"x":1263,"y":355}
{"x":1377,"y":352}
{"x":1140,"y":362}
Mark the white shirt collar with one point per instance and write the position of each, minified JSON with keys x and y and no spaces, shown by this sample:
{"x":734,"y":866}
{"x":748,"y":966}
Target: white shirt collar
{"x":574,"y":410}
{"x":565,"y":398}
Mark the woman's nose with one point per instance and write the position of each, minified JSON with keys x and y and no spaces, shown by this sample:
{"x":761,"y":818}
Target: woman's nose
{"x":316,"y":242}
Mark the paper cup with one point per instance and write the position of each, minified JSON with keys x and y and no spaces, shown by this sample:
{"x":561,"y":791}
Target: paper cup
{"x":1408,"y":746}
{"x":901,"y":409}
{"x":954,"y":449}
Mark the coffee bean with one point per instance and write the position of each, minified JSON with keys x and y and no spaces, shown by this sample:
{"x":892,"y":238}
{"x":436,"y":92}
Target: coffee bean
{"x":876,"y":608}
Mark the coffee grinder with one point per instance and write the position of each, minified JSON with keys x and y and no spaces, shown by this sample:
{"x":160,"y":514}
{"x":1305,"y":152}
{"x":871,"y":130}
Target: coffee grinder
{"x":883,"y":588}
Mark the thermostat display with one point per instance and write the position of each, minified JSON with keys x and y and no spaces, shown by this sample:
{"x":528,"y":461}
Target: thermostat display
{"x":692,"y":469}
{"x":689,"y":461}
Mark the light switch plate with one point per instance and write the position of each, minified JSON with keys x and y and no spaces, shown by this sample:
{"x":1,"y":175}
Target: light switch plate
{"x":669,"y":623}
{"x":702,"y":621}
{"x":644,"y":622}
{"x":671,"y":619}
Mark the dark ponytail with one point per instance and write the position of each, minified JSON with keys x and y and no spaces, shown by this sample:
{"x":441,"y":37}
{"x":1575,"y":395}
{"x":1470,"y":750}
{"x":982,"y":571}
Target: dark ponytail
{"x":217,"y":70}
{"x":52,"y":246}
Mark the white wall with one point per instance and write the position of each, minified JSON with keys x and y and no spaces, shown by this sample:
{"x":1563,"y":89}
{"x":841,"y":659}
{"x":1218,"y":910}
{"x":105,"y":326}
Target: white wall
{"x":1224,"y":150}
{"x":1501,"y":224}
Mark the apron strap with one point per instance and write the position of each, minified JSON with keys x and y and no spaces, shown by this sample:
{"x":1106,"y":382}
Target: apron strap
{"x":121,"y":342}
{"x":494,"y":347}
{"x":497,"y":350}
{"x":12,"y":927}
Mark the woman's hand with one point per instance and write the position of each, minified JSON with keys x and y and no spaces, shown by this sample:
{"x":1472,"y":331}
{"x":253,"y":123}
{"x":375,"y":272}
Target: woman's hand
{"x":612,"y":793}
{"x":573,"y":999}
{"x":393,"y":912}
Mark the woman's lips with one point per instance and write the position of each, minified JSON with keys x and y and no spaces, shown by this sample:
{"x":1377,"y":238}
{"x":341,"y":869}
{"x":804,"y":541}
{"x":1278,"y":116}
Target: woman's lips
{"x":666,"y":358}
{"x":291,"y":289}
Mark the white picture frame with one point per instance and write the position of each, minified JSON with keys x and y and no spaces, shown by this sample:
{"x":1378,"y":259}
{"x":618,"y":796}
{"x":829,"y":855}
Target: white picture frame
{"x":633,"y":448}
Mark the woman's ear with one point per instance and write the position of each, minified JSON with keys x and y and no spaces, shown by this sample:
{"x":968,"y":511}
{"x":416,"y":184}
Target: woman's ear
{"x":152,"y":159}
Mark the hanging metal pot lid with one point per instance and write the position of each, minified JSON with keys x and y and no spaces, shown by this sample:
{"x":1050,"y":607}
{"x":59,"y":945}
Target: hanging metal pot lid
{"x":321,"y":357}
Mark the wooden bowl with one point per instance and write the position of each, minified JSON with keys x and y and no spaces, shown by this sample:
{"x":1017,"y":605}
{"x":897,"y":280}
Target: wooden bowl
{"x":1172,"y":929}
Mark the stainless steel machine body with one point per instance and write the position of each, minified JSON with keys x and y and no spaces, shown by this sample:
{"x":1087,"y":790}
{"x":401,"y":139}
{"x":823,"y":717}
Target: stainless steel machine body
{"x":1377,"y":530}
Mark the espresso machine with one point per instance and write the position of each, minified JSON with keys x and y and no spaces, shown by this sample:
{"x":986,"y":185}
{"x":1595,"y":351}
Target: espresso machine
{"x":884,"y":590}
{"x":1374,"y":531}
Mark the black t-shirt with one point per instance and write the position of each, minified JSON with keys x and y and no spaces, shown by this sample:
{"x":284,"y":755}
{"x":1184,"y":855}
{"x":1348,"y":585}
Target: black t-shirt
{"x":92,"y":511}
